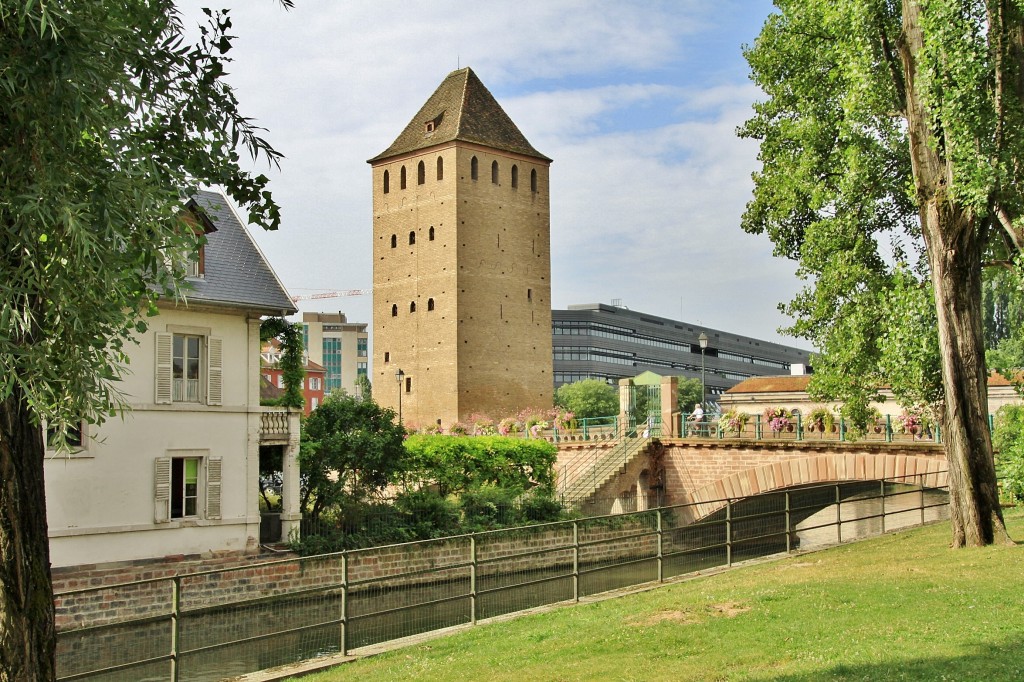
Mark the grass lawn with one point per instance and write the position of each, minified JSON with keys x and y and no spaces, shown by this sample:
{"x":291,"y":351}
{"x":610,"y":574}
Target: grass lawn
{"x":899,"y":607}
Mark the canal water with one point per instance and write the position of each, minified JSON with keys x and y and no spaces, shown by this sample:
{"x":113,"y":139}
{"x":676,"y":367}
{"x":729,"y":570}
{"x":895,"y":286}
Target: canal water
{"x":756,"y":528}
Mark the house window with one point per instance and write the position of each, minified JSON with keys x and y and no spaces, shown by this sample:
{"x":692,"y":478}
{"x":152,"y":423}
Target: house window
{"x":387,"y":182}
{"x":533,"y":180}
{"x":474,"y":167}
{"x":280,"y":380}
{"x":73,"y":438}
{"x":412,"y":237}
{"x":430,"y":304}
{"x":314,"y":403}
{"x":188,"y":486}
{"x":440,"y":168}
{"x":189,"y":367}
{"x":421,"y":173}
{"x":394,"y":241}
{"x":494,"y":172}
{"x":185,"y":369}
{"x":184,"y":487}
{"x":196,"y":265}
{"x":401,"y":180}
{"x":314,"y":383}
{"x":515,"y":176}
{"x":429,"y":128}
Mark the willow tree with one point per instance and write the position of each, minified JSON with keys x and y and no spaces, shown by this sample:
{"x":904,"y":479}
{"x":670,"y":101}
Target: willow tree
{"x":891,"y":137}
{"x":109,"y":119}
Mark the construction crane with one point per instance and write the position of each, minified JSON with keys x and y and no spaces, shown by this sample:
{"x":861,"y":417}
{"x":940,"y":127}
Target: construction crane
{"x":332,"y":294}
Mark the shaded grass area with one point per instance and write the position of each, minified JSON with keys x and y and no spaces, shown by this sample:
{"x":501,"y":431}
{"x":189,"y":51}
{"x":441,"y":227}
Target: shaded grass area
{"x":899,"y":607}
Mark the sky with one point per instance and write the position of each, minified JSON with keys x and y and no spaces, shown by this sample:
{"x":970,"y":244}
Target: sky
{"x":637,"y":102}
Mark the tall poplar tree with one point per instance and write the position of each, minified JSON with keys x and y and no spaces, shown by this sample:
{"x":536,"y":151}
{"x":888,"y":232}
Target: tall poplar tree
{"x":891,"y":138}
{"x":109,"y":120}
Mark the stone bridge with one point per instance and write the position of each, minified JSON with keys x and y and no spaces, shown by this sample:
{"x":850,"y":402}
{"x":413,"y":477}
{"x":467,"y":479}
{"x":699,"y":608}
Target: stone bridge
{"x":705,"y":472}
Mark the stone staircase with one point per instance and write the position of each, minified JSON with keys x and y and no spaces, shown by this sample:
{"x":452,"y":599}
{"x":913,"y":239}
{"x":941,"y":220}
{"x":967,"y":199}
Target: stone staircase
{"x":594,"y":469}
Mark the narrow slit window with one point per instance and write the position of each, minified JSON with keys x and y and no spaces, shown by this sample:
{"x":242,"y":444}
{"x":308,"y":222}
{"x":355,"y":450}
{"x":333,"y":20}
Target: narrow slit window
{"x":431,"y":234}
{"x":474,"y":168}
{"x":440,"y":169}
{"x":387,"y":182}
{"x":394,"y":241}
{"x":430,"y":304}
{"x":412,"y":307}
{"x":412,"y":237}
{"x":394,"y":310}
{"x":401,"y":180}
{"x":421,"y":173}
{"x":494,"y":172}
{"x":515,"y":176}
{"x":533,"y":180}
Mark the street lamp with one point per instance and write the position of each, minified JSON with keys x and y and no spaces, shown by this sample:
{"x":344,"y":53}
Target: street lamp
{"x":703,"y":341}
{"x":399,"y":375}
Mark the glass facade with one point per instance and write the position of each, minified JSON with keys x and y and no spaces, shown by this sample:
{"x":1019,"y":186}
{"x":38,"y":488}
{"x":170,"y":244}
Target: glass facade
{"x":332,"y":363}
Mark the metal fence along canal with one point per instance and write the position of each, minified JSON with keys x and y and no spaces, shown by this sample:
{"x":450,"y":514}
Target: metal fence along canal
{"x":223,"y":623}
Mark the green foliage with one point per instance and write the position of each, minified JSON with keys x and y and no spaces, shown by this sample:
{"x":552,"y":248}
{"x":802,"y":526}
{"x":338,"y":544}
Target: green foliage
{"x":292,"y":371}
{"x":363,"y":387}
{"x":689,"y":394}
{"x":1008,"y":439}
{"x":588,"y":398}
{"x":837,"y":191}
{"x":108,"y":119}
{"x":350,"y":448}
{"x":456,"y":464}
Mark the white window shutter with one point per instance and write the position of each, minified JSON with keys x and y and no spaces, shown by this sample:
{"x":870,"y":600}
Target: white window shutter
{"x":214,"y":371}
{"x":162,"y":490}
{"x":163,"y":368}
{"x":213,"y":476}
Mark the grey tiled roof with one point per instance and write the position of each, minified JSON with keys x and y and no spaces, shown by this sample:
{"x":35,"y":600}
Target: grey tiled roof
{"x":235,"y":270}
{"x":462,"y":109}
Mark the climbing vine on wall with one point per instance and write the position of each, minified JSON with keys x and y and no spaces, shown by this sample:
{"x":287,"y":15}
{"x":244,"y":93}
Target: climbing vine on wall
{"x":290,"y":337}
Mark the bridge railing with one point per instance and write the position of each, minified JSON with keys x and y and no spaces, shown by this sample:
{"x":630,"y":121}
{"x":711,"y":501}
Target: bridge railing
{"x":228,"y":622}
{"x":799,"y":428}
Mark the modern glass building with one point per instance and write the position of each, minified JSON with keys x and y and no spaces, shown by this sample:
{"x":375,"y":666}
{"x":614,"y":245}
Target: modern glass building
{"x":599,"y":341}
{"x":337,"y":344}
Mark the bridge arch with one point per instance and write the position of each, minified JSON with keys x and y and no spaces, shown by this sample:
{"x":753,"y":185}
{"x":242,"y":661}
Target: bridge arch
{"x":928,"y":472}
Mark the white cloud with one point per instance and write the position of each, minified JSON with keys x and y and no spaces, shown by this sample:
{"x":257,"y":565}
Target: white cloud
{"x":644,"y":208}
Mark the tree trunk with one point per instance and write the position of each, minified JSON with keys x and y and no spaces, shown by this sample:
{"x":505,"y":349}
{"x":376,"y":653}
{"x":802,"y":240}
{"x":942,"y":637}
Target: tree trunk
{"x":954,"y":256}
{"x":27,"y":636}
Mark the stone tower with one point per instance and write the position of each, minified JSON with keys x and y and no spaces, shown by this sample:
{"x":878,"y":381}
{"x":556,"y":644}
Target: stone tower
{"x":461,"y":263}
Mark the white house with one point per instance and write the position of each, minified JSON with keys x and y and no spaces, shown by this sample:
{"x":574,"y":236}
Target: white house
{"x":178,"y":474}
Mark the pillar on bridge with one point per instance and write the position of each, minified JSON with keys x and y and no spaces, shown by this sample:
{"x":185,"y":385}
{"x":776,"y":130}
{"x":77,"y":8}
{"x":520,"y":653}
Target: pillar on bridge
{"x":669,"y":389}
{"x":625,"y":396}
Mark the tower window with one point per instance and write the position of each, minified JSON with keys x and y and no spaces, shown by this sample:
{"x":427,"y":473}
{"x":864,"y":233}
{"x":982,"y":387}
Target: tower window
{"x":412,"y":307}
{"x":394,"y":310}
{"x":494,"y":172}
{"x":533,"y":180}
{"x":387,"y":182}
{"x":474,"y":168}
{"x":430,"y":304}
{"x":387,"y":356}
{"x":431,"y":233}
{"x":440,"y":169}
{"x":402,"y":178}
{"x":412,"y":237}
{"x":421,"y":173}
{"x":408,"y":384}
{"x":515,"y":176}
{"x":394,"y":241}
{"x":529,"y":294}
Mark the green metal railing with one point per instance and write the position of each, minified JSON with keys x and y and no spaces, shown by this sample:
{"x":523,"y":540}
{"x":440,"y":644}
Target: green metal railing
{"x":296,"y":609}
{"x":799,"y":429}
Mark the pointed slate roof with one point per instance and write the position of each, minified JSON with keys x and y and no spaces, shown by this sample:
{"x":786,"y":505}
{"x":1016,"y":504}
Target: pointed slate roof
{"x":461,"y":109}
{"x":236,"y":272}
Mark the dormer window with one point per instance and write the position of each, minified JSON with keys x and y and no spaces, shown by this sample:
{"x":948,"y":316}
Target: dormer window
{"x":196,"y":266}
{"x":429,"y":127}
